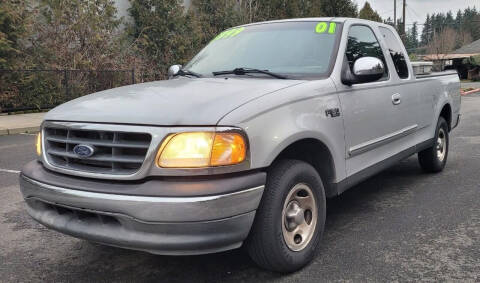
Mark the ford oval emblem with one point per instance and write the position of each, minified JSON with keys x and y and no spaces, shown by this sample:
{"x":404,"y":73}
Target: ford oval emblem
{"x":83,"y":150}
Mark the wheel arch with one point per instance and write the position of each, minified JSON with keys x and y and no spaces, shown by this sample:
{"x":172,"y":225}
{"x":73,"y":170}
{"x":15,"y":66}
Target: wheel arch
{"x":316,"y":153}
{"x":446,"y":113}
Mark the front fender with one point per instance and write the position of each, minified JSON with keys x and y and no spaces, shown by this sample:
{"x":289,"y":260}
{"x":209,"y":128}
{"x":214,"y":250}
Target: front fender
{"x":275,"y":121}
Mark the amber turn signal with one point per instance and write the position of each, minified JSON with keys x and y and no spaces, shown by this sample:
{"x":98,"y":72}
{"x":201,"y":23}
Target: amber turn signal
{"x":38,"y":144}
{"x":228,"y":149}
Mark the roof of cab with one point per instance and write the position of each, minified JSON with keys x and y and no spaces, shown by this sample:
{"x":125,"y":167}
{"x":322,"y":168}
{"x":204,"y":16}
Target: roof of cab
{"x":290,"y":20}
{"x":328,"y":19}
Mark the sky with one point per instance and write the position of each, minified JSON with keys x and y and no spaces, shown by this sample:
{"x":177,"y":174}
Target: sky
{"x":417,"y":10}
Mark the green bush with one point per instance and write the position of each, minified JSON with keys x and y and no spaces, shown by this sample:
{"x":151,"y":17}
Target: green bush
{"x":29,"y":90}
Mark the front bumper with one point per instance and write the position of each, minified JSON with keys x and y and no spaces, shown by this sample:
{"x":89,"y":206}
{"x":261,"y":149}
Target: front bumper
{"x":157,"y":224}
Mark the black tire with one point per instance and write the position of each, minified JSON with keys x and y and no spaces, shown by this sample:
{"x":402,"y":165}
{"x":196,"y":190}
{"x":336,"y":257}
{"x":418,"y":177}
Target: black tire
{"x":266,"y":244}
{"x":430,"y":160}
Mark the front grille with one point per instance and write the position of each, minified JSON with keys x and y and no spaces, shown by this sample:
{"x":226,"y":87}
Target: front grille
{"x":114,"y":152}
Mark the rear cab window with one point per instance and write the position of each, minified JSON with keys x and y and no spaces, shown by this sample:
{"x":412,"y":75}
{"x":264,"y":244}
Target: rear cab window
{"x":396,"y":52}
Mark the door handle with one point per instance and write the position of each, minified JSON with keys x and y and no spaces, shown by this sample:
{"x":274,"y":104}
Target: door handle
{"x":396,"y":99}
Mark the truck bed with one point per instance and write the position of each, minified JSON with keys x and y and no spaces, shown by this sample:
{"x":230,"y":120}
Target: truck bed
{"x":436,"y":74}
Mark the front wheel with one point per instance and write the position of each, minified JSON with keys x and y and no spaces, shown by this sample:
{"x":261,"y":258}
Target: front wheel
{"x":433,"y":159}
{"x":290,"y":219}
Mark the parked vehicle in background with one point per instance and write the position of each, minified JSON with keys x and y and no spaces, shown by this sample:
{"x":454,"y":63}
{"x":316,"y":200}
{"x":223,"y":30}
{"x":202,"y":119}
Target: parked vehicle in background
{"x":422,"y":67}
{"x":242,"y":145}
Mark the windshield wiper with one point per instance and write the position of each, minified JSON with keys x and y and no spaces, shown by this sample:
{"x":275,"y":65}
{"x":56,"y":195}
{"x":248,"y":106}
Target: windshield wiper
{"x":243,"y":71}
{"x":184,"y":72}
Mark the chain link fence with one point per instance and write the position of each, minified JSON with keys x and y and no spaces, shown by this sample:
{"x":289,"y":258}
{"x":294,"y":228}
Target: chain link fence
{"x":27,"y":90}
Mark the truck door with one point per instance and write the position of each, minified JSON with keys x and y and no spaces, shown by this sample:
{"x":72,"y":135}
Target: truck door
{"x":418,"y":97}
{"x":376,"y":115}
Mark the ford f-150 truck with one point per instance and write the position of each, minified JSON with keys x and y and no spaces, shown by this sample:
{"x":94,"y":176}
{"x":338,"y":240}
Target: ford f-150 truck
{"x":242,"y":145}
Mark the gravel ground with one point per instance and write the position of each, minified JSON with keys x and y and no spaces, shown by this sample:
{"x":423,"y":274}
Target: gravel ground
{"x":401,"y":225}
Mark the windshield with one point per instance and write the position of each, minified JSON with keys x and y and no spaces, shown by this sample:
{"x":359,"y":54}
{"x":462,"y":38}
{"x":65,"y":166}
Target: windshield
{"x":294,"y":49}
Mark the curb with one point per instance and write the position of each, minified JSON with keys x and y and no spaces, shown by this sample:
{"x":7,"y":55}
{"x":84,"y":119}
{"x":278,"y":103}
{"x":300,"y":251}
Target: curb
{"x":470,"y":91}
{"x":14,"y":131}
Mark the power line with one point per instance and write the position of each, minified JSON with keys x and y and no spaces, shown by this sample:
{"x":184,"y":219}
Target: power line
{"x":413,"y":11}
{"x":381,"y":12}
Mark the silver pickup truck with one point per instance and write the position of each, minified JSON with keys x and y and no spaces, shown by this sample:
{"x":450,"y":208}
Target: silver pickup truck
{"x":243,"y":144}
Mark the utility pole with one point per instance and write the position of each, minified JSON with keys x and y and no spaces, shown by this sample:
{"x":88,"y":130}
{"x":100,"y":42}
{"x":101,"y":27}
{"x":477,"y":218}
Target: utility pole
{"x":404,"y":22}
{"x":395,"y":13}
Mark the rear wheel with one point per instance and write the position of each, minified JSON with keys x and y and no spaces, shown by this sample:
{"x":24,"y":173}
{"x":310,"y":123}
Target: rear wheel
{"x":433,"y":159}
{"x":290,"y":219}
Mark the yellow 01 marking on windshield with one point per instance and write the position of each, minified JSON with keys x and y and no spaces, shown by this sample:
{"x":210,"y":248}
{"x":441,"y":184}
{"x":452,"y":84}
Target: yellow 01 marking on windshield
{"x":331,"y":29}
{"x":237,"y":31}
{"x":322,"y":27}
{"x":229,"y":33}
{"x":223,"y":34}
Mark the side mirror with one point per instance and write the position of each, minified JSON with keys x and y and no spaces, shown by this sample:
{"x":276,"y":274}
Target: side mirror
{"x":173,"y":70}
{"x":365,"y":70}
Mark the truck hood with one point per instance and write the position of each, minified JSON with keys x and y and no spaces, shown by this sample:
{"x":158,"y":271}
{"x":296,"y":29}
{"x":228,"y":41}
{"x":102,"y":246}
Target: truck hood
{"x":182,"y":101}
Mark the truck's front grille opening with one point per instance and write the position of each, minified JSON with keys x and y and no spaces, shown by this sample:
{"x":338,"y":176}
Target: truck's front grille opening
{"x":113,"y":152}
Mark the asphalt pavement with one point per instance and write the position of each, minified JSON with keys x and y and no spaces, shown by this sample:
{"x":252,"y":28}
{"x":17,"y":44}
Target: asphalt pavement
{"x":401,"y":225}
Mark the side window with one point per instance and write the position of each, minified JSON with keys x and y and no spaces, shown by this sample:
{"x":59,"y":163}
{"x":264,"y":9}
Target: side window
{"x":395,"y":49}
{"x":361,"y":43}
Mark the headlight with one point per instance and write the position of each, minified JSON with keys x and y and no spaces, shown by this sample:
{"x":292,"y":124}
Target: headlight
{"x":201,"y":149}
{"x":38,"y":144}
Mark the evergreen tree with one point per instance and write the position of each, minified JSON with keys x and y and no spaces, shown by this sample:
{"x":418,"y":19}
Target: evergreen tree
{"x":215,"y":16}
{"x":14,"y":17}
{"x":437,"y":25}
{"x":163,"y":33}
{"x":449,"y":20}
{"x":339,"y":8}
{"x":400,"y":30}
{"x":283,"y":9}
{"x":411,"y":43}
{"x":368,"y":13}
{"x":414,"y":34}
{"x":474,"y":24}
{"x":458,"y":20}
{"x":465,"y":24}
{"x":425,"y":37}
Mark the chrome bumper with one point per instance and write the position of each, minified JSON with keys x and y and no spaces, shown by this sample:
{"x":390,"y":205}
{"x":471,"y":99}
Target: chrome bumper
{"x":163,"y":225}
{"x":150,"y":209}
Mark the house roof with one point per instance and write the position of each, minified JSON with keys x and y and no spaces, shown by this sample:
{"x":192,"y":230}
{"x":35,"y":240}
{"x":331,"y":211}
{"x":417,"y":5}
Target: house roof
{"x":472,"y":48}
{"x":449,"y":56}
{"x":466,"y":51}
